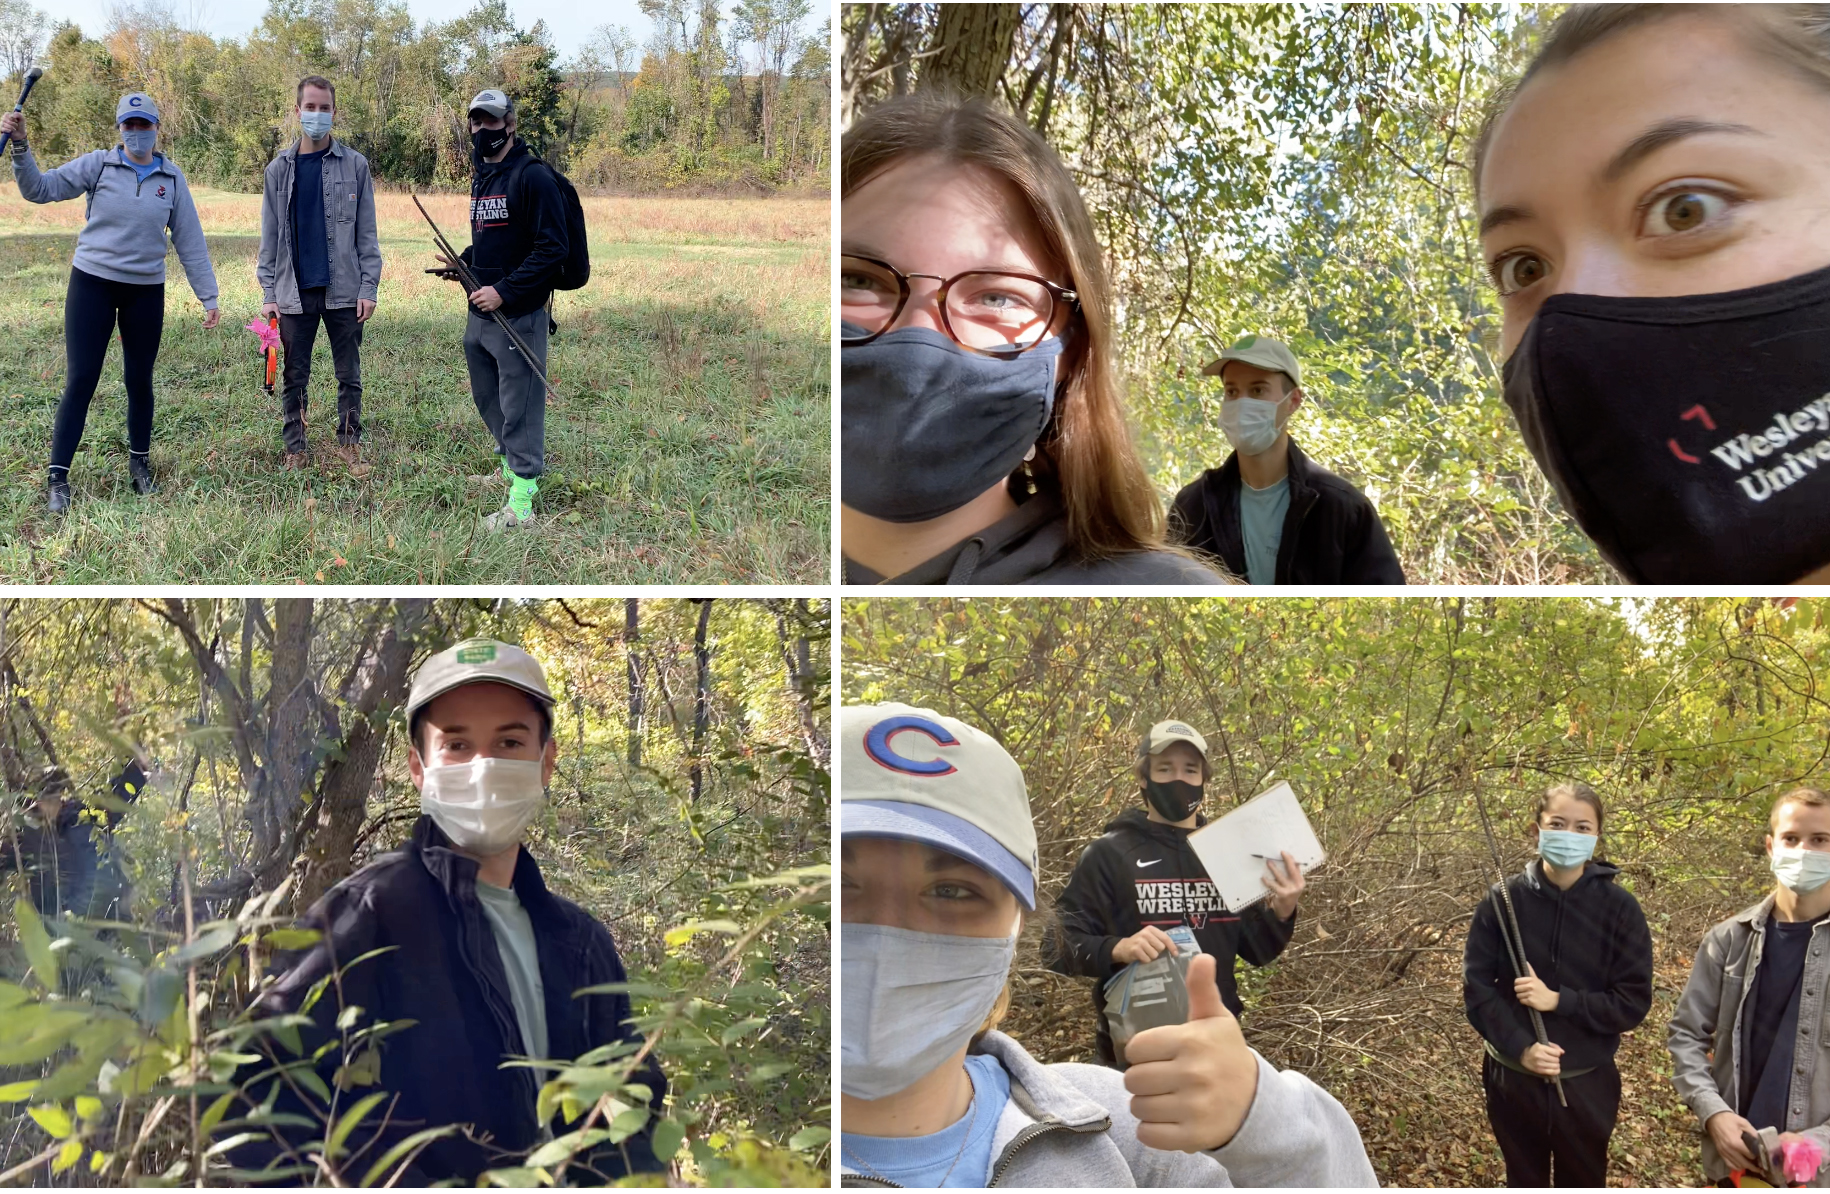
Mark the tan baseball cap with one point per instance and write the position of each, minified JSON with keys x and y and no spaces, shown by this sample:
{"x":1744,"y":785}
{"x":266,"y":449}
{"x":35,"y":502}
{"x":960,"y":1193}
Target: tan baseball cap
{"x":474,"y":661}
{"x":1165,"y":733}
{"x":1262,"y":351}
{"x":913,"y":774}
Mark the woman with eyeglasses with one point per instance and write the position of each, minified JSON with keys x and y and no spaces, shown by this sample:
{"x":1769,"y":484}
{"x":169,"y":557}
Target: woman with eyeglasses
{"x":981,"y":435}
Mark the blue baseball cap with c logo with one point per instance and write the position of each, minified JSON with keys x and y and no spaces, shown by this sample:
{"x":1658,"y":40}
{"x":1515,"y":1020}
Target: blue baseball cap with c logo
{"x":913,"y":774}
{"x":136,"y":103}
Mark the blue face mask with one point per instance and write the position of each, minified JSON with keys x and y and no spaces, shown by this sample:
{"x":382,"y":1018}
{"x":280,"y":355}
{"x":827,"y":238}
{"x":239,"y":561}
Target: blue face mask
{"x":139,"y":142}
{"x":1563,"y":849}
{"x":925,"y":426}
{"x":315,"y":124}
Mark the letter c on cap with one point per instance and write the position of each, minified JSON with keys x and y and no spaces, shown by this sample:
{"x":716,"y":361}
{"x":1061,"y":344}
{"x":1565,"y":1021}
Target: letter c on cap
{"x":877,"y":745}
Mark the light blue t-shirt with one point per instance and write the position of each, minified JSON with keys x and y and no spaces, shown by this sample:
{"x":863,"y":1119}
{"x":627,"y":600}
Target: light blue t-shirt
{"x":923,"y":1160}
{"x":514,"y":933}
{"x":1261,"y":522}
{"x":145,"y":172}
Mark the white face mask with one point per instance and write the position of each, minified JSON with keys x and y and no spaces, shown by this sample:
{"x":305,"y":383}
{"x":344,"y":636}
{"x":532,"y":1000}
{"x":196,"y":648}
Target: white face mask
{"x":483,"y":805}
{"x":1251,"y":425}
{"x":1801,"y":870}
{"x":909,"y":1000}
{"x":315,"y":124}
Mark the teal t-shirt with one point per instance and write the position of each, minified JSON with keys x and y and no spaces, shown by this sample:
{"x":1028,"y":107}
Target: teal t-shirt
{"x":515,"y":942}
{"x":964,"y":1147}
{"x":1261,"y":522}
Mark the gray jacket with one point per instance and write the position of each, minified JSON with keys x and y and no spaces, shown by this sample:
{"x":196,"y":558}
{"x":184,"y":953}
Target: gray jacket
{"x":123,"y":239}
{"x":1070,"y":1125}
{"x":349,"y":223}
{"x":1708,"y":1020}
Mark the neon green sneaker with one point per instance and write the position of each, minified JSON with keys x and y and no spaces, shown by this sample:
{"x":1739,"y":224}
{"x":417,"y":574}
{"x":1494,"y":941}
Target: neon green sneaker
{"x":519,"y":512}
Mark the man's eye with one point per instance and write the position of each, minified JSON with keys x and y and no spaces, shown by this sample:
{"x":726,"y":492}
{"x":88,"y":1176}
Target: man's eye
{"x":1682,"y":211}
{"x":1514,"y":273}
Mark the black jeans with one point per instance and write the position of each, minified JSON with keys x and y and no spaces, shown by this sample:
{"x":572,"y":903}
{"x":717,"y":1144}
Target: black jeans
{"x":92,"y":307}
{"x":297,"y":334}
{"x":1532,"y":1128}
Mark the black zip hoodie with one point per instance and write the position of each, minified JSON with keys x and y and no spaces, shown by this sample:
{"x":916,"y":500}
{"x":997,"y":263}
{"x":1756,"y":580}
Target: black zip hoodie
{"x":1145,"y":872}
{"x":1589,"y":944}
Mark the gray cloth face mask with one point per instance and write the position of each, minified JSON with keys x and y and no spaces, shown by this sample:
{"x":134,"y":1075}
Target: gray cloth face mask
{"x":925,"y":426}
{"x":910,"y":1000}
{"x":139,"y":141}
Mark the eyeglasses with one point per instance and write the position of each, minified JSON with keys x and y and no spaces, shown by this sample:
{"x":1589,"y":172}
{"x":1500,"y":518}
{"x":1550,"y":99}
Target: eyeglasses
{"x":990,"y":312}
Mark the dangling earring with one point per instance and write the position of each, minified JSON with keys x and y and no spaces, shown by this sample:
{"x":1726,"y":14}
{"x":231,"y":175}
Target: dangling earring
{"x":1029,"y":474}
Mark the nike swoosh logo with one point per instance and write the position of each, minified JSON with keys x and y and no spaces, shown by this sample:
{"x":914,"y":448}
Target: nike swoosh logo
{"x":1152,"y":862}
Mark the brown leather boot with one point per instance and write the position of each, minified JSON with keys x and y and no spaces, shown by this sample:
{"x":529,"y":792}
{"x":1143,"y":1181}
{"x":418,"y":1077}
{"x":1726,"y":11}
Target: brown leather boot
{"x":295,"y":461}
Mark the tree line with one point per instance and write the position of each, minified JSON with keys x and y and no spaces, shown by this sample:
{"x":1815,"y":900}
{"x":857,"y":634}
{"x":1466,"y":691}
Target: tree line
{"x":688,"y":812}
{"x":707,"y":103}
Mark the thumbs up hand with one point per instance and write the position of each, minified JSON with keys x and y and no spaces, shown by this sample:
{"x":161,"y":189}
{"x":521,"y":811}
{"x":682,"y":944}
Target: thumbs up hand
{"x":1192,"y":1084}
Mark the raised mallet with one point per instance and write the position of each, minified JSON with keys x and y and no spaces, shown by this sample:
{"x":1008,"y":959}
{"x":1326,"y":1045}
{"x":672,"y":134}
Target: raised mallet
{"x":31,"y":79}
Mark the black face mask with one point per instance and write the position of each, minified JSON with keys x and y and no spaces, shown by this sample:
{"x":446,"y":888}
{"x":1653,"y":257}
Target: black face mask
{"x":1174,"y":801}
{"x":488,"y":142}
{"x":925,"y":426}
{"x":1689,"y":437}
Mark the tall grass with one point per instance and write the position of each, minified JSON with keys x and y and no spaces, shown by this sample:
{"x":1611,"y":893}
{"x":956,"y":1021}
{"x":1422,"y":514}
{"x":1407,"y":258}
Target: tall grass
{"x":690,"y":444}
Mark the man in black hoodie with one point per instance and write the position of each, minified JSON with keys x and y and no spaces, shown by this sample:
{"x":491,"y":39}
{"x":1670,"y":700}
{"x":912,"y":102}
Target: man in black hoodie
{"x":518,"y":246}
{"x":1142,"y":878}
{"x":55,"y":849}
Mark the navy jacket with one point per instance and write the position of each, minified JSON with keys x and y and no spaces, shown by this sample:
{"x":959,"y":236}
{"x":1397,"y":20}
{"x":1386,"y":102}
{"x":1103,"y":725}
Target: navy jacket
{"x":1145,"y":872}
{"x":1589,"y":944}
{"x":445,"y":973}
{"x":59,"y":860}
{"x":1332,"y":534}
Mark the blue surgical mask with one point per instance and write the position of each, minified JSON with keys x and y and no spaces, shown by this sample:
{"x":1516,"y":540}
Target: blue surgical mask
{"x":1563,"y":849}
{"x":909,"y":1000}
{"x":925,"y":426}
{"x":139,"y":142}
{"x":1801,"y":870}
{"x":315,"y":124}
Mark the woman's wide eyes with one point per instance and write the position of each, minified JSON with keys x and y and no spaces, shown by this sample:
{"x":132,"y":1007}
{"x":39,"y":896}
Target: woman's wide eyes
{"x":1514,"y":273}
{"x":1681,"y":211}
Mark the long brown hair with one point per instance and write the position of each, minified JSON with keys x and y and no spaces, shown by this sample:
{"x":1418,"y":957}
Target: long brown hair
{"x":1085,"y":452}
{"x":1795,"y":35}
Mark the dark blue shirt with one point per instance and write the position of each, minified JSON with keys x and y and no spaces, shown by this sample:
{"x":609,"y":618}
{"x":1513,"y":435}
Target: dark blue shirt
{"x":1770,"y":1025}
{"x":310,"y":240}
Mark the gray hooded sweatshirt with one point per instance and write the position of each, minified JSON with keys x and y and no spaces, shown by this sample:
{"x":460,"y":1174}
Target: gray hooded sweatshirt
{"x":1070,"y":1126}
{"x":124,"y":238}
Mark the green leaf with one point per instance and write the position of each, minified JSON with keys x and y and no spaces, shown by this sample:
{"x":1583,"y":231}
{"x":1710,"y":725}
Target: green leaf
{"x":67,"y":1156}
{"x":558,"y":1149}
{"x":293,"y":938}
{"x":811,"y":1136}
{"x":667,"y":1137}
{"x":213,"y":1114}
{"x":516,"y":1179}
{"x":37,"y":943}
{"x":232,"y":1142}
{"x":88,"y":1107}
{"x":627,"y":1123}
{"x":17,"y":1092}
{"x":394,"y":1155}
{"x":53,"y":1119}
{"x":12,"y":995}
{"x":741,"y":1029}
{"x":350,"y":1120}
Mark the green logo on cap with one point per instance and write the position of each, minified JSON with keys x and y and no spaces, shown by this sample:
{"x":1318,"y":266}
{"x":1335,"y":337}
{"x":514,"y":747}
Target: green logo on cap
{"x":476,"y":653}
{"x":1245,"y":342}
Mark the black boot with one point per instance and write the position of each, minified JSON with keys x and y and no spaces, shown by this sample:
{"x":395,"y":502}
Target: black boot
{"x":140,"y":469}
{"x":60,"y":496}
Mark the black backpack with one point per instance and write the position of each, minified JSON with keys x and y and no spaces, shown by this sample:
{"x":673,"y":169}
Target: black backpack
{"x":575,"y":271}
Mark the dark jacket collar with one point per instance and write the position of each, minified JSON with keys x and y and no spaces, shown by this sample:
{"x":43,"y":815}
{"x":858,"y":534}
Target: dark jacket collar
{"x":456,"y":874}
{"x":291,"y":152}
{"x":1299,"y":473}
{"x":1013,"y":549}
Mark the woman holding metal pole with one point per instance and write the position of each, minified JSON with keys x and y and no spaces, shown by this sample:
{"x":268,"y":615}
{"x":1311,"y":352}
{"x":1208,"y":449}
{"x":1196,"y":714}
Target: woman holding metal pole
{"x":1558,"y":965}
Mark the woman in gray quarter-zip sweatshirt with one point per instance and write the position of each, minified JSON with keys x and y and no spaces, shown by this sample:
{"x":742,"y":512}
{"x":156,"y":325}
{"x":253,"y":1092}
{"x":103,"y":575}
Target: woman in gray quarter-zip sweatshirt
{"x":135,"y":199}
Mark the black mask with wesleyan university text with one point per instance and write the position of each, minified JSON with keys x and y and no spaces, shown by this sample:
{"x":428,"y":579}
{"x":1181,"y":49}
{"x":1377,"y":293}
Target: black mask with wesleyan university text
{"x":1689,"y":437}
{"x":925,"y":426}
{"x":1174,"y":801}
{"x":488,"y":142}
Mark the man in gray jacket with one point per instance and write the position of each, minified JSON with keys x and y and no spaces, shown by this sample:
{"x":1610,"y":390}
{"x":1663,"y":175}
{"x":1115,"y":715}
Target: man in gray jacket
{"x":320,"y":259}
{"x":1746,"y":1037}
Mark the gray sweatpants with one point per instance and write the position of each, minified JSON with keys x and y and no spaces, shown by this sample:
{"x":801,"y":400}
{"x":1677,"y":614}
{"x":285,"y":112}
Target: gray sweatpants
{"x":508,"y":394}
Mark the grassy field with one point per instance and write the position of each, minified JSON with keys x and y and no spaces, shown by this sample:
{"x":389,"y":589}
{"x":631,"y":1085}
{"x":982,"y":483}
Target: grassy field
{"x":690,"y":445}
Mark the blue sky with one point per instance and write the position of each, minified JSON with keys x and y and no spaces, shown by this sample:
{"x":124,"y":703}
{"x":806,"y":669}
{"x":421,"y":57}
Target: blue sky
{"x":571,"y":21}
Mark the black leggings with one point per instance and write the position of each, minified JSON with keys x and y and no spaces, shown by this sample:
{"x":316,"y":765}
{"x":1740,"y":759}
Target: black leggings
{"x":91,"y":307}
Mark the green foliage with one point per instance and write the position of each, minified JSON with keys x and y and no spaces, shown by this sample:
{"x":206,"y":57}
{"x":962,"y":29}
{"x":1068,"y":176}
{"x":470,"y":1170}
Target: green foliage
{"x":402,"y":89}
